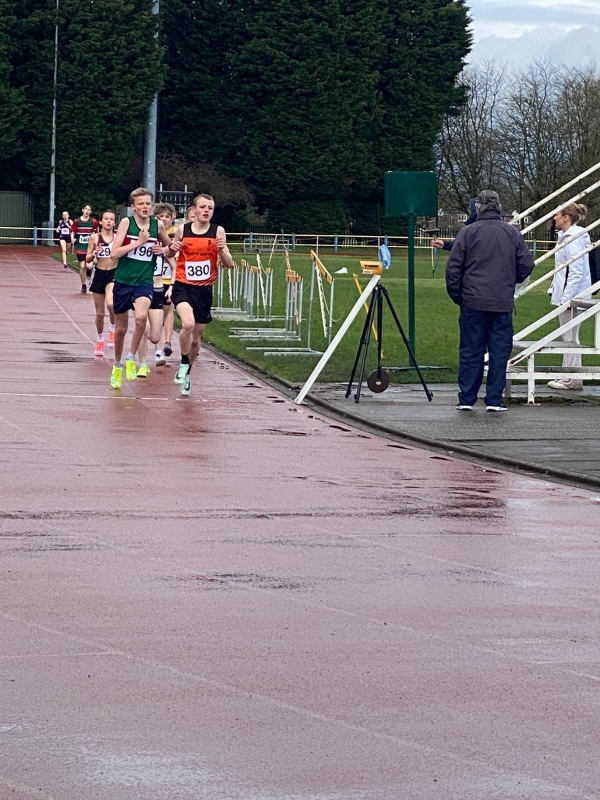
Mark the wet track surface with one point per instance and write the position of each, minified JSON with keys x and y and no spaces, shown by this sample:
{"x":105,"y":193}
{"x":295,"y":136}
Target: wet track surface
{"x":228,"y":596}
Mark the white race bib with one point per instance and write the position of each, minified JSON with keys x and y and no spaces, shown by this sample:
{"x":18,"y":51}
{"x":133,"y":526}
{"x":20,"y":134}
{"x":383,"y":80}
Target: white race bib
{"x":84,"y":238}
{"x":167,"y":272}
{"x":105,"y":251}
{"x":197,"y":270}
{"x":158,"y":268}
{"x":143,"y":252}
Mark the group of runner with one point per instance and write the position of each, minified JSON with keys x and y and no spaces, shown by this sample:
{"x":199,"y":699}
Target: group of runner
{"x":149,"y":266}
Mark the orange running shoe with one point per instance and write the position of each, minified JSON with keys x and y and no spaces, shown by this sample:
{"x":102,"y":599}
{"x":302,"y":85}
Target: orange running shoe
{"x":99,"y":349}
{"x":111,"y":339}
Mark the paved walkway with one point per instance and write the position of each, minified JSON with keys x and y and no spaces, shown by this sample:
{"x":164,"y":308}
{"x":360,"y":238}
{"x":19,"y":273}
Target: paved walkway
{"x":560,"y":436}
{"x":228,"y":597}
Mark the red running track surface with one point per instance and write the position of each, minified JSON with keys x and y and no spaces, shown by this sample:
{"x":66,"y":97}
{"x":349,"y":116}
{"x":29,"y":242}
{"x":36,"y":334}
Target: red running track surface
{"x":227,"y":596}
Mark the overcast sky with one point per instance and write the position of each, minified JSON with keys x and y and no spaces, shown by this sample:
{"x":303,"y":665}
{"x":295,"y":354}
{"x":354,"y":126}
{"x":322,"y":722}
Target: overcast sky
{"x":519,"y":30}
{"x":513,"y":17}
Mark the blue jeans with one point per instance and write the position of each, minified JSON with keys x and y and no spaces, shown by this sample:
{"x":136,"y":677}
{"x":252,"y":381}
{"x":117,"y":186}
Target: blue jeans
{"x":481,"y":331}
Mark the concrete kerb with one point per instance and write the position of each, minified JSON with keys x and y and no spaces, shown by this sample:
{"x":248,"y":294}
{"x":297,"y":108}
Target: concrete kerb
{"x":460,"y":451}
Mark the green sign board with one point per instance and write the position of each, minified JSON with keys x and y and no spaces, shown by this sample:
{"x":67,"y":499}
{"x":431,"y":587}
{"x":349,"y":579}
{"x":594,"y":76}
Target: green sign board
{"x":411,"y":194}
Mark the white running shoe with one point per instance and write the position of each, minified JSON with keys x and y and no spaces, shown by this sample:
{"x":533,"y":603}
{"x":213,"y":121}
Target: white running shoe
{"x":182,"y":373}
{"x":160,"y":359}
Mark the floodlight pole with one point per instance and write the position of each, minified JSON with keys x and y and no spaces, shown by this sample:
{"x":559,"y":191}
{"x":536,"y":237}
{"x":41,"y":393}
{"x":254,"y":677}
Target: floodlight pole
{"x":411,"y":283}
{"x":52,"y":198}
{"x":149,"y":179}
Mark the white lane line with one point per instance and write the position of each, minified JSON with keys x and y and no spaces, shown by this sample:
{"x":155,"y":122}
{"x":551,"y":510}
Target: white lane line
{"x":314,"y":716}
{"x":82,"y":396}
{"x":41,"y":656}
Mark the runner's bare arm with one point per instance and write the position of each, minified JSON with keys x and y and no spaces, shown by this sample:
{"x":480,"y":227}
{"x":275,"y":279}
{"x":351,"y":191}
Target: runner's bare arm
{"x":92,"y":245}
{"x":119,"y":249}
{"x":163,"y":239}
{"x":176,"y":243}
{"x":224,"y":254}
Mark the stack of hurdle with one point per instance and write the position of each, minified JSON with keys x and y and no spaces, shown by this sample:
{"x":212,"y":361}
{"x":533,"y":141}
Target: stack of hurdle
{"x":258,"y":305}
{"x":229,"y":292}
{"x":244,"y":292}
{"x":319,"y":273}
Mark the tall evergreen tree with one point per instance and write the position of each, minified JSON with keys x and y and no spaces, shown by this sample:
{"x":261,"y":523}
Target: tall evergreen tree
{"x":11,"y":99}
{"x":110,"y":67}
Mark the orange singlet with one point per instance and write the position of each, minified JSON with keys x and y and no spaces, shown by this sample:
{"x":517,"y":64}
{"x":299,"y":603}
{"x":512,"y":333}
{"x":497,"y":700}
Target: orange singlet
{"x":197,"y":260}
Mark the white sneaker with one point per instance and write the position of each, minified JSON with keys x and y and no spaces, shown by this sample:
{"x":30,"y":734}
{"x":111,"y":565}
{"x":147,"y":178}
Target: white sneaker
{"x":499,"y":408}
{"x":463,"y":407}
{"x":160,"y":358}
{"x":181,"y":373}
{"x":557,"y":385}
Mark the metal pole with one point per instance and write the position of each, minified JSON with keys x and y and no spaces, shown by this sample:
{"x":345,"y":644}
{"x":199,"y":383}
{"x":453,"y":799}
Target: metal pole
{"x":52,"y":199}
{"x":411,"y":282}
{"x":149,"y":179}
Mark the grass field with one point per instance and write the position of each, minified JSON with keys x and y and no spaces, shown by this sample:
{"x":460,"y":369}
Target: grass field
{"x":436,"y":319}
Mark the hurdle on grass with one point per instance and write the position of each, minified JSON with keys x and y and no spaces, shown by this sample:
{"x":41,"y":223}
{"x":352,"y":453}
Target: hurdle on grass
{"x":291,"y":330}
{"x":229,"y":285}
{"x":319,"y":273}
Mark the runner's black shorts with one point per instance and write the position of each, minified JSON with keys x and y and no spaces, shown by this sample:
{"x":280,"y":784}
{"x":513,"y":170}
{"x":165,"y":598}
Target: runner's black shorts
{"x":124,"y":295}
{"x":80,"y":256}
{"x":199,"y":297}
{"x":158,"y":298}
{"x":100,"y":279}
{"x":66,"y":238}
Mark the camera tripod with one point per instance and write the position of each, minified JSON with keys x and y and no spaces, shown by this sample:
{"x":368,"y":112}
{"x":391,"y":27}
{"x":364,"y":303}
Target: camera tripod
{"x":378,"y":380}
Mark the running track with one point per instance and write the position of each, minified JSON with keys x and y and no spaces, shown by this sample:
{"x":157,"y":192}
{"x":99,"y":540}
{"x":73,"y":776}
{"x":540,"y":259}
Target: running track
{"x":225,"y":596}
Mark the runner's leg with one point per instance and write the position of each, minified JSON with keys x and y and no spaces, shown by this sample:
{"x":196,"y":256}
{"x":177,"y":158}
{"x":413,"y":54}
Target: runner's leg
{"x":63,"y":248}
{"x":196,"y":340}
{"x":111,"y":314}
{"x":140,"y":312}
{"x":121,"y":323}
{"x":169,"y":319}
{"x":186,"y":314}
{"x":82,"y":272}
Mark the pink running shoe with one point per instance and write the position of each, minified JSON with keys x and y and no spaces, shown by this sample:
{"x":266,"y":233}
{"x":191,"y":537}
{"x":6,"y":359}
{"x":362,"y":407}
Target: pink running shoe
{"x":99,"y":349}
{"x":111,"y":338}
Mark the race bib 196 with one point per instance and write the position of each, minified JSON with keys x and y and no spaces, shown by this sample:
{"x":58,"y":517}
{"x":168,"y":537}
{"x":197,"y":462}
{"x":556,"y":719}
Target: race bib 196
{"x":143,"y":252}
{"x":197,"y":270}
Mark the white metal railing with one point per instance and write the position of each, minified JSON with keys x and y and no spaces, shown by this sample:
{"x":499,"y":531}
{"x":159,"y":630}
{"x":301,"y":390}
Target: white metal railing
{"x":583,"y":308}
{"x":519,"y":217}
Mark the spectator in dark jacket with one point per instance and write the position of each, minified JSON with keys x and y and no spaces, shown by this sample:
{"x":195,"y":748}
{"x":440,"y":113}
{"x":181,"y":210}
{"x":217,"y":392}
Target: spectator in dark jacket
{"x":487,"y":260}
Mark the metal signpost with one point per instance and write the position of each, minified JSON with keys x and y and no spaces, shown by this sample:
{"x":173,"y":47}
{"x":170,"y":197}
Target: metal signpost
{"x":411,"y":195}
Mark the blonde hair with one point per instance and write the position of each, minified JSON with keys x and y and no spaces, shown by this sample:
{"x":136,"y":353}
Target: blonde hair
{"x":205,"y":196}
{"x":141,"y":192}
{"x":576,"y":211}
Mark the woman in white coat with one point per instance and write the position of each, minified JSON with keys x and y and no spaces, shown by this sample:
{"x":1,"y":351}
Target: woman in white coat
{"x":570,"y":281}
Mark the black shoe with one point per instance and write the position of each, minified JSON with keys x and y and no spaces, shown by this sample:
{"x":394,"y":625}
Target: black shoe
{"x":83,"y":289}
{"x":168,"y":350}
{"x":66,"y":266}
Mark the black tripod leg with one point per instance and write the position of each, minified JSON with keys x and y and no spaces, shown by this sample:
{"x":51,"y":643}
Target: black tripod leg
{"x":364,"y":342}
{"x":363,"y":364}
{"x":379,"y":332}
{"x":411,"y":355}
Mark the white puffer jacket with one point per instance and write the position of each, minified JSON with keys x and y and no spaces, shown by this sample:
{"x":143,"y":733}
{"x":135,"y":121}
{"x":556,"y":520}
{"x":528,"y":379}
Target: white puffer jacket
{"x":575,"y":278}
